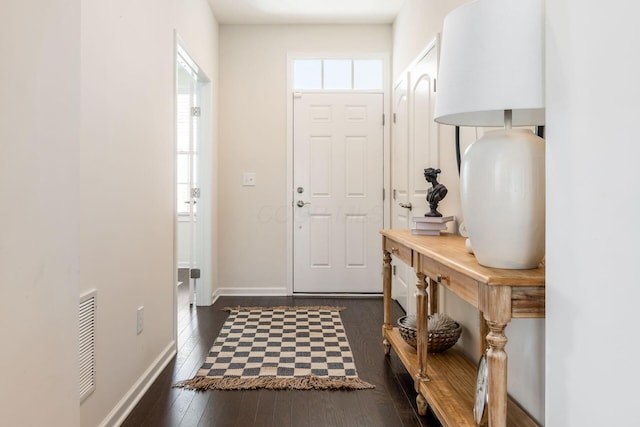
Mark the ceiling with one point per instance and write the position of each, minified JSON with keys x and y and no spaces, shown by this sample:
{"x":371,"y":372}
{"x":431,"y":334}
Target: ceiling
{"x":305,"y":11}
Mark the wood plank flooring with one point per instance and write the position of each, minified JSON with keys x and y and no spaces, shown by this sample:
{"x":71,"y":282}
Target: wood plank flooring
{"x":391,"y":403}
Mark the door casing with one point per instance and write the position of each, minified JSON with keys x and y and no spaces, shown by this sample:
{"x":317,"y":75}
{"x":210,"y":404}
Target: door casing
{"x":204,"y":289}
{"x":291,"y":56}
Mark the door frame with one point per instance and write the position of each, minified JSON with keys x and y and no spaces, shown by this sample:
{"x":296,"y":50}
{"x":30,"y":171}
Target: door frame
{"x":204,"y":290}
{"x":386,"y":91}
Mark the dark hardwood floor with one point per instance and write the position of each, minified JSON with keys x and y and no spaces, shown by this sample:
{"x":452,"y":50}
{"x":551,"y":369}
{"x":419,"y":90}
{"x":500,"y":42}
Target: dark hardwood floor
{"x":391,"y":403}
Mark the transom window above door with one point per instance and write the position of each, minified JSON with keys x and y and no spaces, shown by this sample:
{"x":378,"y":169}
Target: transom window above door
{"x":337,"y":74}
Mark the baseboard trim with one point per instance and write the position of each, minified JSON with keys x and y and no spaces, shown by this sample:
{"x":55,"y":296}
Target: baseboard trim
{"x":337,"y":295}
{"x":250,"y":292}
{"x":282,"y":292}
{"x":118,"y":414}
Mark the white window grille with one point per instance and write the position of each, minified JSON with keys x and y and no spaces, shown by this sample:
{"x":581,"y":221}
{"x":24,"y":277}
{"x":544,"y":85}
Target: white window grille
{"x":337,"y":74}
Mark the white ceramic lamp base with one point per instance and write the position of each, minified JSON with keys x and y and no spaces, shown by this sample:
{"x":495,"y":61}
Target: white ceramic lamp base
{"x":502,"y":189}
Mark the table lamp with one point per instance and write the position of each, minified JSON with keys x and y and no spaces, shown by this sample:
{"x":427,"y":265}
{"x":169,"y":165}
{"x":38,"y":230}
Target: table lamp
{"x":491,"y":73}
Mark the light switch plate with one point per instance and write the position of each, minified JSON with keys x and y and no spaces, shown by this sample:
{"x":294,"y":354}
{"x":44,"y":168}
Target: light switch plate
{"x":249,"y":179}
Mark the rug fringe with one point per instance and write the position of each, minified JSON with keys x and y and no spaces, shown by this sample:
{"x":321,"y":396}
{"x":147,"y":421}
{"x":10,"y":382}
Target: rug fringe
{"x":310,"y":382}
{"x":287,"y":308}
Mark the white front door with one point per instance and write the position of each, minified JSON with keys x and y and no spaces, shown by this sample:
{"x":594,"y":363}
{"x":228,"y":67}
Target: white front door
{"x":338,"y":186}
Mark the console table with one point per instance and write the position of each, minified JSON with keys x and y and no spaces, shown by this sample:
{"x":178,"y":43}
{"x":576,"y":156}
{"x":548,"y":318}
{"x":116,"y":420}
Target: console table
{"x":446,"y":381}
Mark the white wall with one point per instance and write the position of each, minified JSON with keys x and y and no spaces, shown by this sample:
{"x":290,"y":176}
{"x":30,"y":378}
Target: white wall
{"x":39,"y":119}
{"x":253,"y":138}
{"x":592,"y":94}
{"x":127,"y":184}
{"x":86,"y":124}
{"x":415,"y":27}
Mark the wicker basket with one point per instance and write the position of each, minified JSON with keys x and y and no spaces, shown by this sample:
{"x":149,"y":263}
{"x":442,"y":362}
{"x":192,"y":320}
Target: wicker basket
{"x":439,"y":339}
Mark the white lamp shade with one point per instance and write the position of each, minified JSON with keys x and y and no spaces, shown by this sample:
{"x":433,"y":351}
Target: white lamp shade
{"x":492,"y":60}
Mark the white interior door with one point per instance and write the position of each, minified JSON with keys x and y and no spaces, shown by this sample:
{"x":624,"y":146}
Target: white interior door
{"x":188,"y":191}
{"x":402,"y":278}
{"x":415,"y":147}
{"x":400,"y":155}
{"x":338,"y":185}
{"x":423,"y":136}
{"x":193,"y":174}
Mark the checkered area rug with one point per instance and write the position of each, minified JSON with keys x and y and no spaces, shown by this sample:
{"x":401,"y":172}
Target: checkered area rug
{"x":300,"y":348}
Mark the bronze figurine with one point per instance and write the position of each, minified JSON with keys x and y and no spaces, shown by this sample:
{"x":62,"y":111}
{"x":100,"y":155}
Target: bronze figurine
{"x":436,"y":193}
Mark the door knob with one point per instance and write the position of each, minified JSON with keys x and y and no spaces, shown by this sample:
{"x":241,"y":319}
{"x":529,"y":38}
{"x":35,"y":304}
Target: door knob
{"x":406,"y":205}
{"x":301,"y":204}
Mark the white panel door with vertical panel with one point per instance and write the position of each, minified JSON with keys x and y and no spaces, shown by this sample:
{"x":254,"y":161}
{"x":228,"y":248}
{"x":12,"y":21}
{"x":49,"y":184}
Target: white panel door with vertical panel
{"x":415,"y":147}
{"x":403,"y":277}
{"x":424,"y":148}
{"x":338,"y":184}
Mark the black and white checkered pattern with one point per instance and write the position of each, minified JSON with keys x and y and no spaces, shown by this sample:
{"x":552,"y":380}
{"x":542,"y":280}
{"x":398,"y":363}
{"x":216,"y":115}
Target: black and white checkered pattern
{"x":280,"y":343}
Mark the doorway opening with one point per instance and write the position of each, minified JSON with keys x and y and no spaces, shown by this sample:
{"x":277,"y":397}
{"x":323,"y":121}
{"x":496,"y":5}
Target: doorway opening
{"x":192,"y":184}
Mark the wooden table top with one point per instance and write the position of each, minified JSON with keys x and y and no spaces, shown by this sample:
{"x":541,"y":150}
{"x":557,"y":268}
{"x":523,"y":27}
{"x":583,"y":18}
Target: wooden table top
{"x":449,"y":250}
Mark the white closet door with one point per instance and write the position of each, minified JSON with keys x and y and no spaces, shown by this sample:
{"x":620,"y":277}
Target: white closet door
{"x":415,"y":147}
